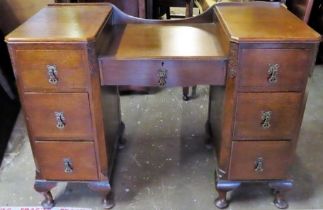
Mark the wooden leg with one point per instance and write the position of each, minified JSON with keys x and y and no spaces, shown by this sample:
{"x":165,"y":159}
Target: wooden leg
{"x":121,"y":141}
{"x":44,"y":188}
{"x":167,"y":13}
{"x":208,"y":140}
{"x":194,"y":91}
{"x":104,"y":188}
{"x":221,"y":201}
{"x":223,"y":187}
{"x":189,"y":8}
{"x":279,"y":189}
{"x":185,"y":93}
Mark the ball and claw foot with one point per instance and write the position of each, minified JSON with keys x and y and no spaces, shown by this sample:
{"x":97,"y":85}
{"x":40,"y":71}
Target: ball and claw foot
{"x":281,"y":203}
{"x":279,"y":188}
{"x":122,"y":143}
{"x":48,"y":202}
{"x":222,"y":187}
{"x":221,"y":203}
{"x":186,"y":98}
{"x":108,"y":202}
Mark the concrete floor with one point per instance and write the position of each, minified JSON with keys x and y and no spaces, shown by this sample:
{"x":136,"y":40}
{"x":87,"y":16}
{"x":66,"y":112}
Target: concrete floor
{"x":165,"y":164}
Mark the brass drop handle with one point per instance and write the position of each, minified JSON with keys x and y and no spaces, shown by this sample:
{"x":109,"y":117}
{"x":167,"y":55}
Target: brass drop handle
{"x":68,"y":166}
{"x":162,"y":76}
{"x":273,"y":73}
{"x":60,"y":120}
{"x":266,"y":117}
{"x":52,"y":74}
{"x":259,"y":165}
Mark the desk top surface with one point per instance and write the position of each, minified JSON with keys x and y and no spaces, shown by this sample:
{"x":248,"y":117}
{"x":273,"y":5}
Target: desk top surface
{"x":243,"y":22}
{"x":261,"y":21}
{"x":63,"y":23}
{"x":175,"y":41}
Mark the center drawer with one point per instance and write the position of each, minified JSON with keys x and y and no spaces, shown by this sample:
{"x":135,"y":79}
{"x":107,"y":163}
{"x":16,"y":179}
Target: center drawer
{"x":164,"y":73}
{"x":267,"y":116}
{"x":66,"y":160}
{"x":58,"y":116}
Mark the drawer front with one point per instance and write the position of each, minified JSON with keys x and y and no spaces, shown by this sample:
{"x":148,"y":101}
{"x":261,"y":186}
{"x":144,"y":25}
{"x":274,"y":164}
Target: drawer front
{"x":267,"y":115}
{"x":166,"y":73}
{"x":51,"y":69}
{"x":260,"y":160}
{"x":58,"y":116}
{"x":274,"y":69}
{"x":66,"y":160}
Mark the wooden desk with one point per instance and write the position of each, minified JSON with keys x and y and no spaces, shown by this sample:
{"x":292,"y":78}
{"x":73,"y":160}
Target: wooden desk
{"x":257,"y":69}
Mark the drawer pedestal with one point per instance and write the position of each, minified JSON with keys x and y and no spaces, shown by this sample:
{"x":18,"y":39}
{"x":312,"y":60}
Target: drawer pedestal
{"x":73,"y":133}
{"x":255,"y":129}
{"x":255,"y":119}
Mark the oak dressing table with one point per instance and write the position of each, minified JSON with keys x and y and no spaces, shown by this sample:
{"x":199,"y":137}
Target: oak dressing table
{"x":69,"y":59}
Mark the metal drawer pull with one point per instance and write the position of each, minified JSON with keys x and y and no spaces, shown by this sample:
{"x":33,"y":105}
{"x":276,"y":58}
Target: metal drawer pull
{"x":52,"y":74}
{"x":162,"y":74}
{"x":259,"y":165}
{"x":266,"y":117}
{"x":60,"y":120}
{"x":68,"y":166}
{"x":273,"y":73}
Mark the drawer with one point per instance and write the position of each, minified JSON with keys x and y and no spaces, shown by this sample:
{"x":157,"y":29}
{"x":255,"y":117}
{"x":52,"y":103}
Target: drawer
{"x":260,"y":160}
{"x":54,"y":70}
{"x":267,"y":116}
{"x":274,"y":69}
{"x":66,"y":160}
{"x":173,"y":72}
{"x":58,"y":116}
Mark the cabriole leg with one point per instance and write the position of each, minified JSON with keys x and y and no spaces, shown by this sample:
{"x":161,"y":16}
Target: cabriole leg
{"x":279,"y":188}
{"x":221,"y":201}
{"x":185,"y":93}
{"x":208,"y":140}
{"x":44,"y":188}
{"x":121,"y":140}
{"x":105,"y":189}
{"x":223,"y":187}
